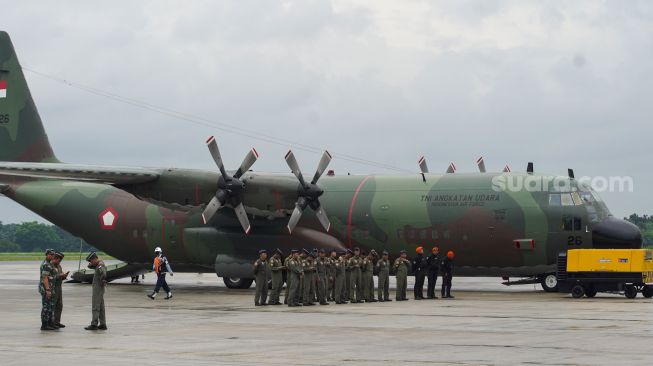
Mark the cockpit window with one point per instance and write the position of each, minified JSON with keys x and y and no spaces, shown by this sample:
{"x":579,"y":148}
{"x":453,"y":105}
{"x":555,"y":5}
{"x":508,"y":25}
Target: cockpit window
{"x":566,"y":199}
{"x":554,"y":199}
{"x":576,"y":198}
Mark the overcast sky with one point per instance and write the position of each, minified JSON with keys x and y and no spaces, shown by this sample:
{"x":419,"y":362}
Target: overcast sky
{"x":563,"y":84}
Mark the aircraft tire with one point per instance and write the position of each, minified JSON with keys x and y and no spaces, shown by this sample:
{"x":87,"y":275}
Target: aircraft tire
{"x":237,"y":283}
{"x":577,"y":291}
{"x":549,"y":282}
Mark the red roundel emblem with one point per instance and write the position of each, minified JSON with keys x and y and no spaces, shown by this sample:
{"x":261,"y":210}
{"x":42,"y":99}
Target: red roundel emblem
{"x":108,"y":218}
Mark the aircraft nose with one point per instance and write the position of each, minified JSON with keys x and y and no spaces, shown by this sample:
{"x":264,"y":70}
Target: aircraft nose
{"x":613,"y":233}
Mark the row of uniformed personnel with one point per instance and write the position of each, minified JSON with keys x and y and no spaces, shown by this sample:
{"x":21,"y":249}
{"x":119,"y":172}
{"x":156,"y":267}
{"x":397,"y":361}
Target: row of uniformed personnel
{"x":342,"y":277}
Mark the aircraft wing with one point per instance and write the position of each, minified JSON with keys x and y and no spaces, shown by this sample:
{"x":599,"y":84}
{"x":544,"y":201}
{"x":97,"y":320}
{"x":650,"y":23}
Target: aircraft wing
{"x":88,"y":173}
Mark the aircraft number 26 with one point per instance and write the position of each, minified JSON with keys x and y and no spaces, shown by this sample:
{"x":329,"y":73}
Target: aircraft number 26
{"x":4,"y":118}
{"x":574,"y":240}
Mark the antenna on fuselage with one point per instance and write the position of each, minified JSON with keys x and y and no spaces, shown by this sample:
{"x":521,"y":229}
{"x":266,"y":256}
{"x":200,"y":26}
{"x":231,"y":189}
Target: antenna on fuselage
{"x":451,"y":169}
{"x":529,"y":168}
{"x":570,"y":173}
{"x":506,"y":169}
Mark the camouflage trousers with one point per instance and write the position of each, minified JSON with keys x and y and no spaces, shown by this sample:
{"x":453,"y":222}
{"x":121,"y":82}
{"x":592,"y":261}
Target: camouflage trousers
{"x":57,"y":300}
{"x":47,"y":309}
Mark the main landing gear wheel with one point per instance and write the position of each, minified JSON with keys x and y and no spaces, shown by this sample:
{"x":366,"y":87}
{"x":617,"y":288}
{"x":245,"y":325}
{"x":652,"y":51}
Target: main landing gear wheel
{"x":630,"y":291}
{"x":577,"y":291}
{"x":239,"y":283}
{"x":549,"y":282}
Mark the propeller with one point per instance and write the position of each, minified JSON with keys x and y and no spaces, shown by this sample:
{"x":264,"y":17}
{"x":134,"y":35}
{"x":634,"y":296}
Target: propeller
{"x":481,"y":164}
{"x":309,"y":193}
{"x":451,"y":169}
{"x":230,"y":188}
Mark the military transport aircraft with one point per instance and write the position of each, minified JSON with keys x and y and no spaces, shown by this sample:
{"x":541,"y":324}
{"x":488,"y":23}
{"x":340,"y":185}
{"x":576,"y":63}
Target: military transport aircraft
{"x":216,"y":221}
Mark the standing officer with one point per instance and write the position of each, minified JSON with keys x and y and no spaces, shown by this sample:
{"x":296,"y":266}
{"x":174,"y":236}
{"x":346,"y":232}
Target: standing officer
{"x":286,"y":265}
{"x":419,"y":270}
{"x":295,"y":274}
{"x":447,"y":274}
{"x":433,"y":267}
{"x":261,"y":275}
{"x":46,"y":287}
{"x":161,"y":266}
{"x":99,"y":284}
{"x":340,"y":268}
{"x":309,"y":284}
{"x":331,"y":275}
{"x":383,"y":269}
{"x":355,"y":280}
{"x":348,"y":255}
{"x":276,"y":267}
{"x":367,"y":269}
{"x":401,"y":267}
{"x":58,"y":294}
{"x":321,"y":270}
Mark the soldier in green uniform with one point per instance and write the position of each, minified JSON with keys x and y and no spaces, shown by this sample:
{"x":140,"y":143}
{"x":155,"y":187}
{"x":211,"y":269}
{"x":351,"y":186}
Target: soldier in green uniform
{"x":340,"y":269}
{"x":369,"y":276}
{"x":46,"y":288}
{"x":261,"y":275}
{"x":300,"y":294}
{"x":321,"y":272}
{"x":58,"y":294}
{"x":355,"y":280}
{"x":287,"y":271}
{"x":348,"y":255}
{"x":401,"y":267}
{"x":331,"y":275}
{"x":276,"y":267}
{"x":308,"y":264}
{"x":99,"y":284}
{"x":295,"y":274}
{"x":383,"y":269}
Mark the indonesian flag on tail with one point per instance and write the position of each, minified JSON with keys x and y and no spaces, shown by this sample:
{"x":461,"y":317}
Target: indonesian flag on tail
{"x":3,"y":88}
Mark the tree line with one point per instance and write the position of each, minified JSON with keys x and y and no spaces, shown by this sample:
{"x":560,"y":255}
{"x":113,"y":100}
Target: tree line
{"x":36,"y":237}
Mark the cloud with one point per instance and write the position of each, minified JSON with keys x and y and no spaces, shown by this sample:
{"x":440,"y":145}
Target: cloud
{"x":564,"y":84}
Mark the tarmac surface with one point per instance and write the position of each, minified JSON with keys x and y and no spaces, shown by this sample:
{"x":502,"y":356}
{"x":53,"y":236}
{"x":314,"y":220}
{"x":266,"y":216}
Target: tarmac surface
{"x":206,"y":323}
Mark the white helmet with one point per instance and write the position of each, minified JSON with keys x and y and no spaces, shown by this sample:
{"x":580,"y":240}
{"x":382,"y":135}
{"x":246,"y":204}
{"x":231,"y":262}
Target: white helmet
{"x":158,"y":250}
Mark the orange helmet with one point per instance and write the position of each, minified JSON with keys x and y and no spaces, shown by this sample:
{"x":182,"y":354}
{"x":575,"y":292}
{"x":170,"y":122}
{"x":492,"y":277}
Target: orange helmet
{"x":419,"y":250}
{"x":450,"y":254}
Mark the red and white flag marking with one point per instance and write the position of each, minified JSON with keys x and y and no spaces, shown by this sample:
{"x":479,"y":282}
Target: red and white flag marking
{"x":3,"y":88}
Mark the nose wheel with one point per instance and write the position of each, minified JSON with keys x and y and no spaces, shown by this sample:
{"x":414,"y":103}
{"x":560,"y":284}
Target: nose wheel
{"x":549,"y":282}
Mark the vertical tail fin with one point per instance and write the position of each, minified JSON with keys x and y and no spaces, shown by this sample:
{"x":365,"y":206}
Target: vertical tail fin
{"x":22,"y":137}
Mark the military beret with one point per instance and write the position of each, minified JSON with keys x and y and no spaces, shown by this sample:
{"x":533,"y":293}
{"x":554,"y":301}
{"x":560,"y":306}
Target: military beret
{"x":385,"y":252}
{"x":49,"y":251}
{"x":278,"y":251}
{"x":262,"y":251}
{"x":403,"y":252}
{"x":294,"y":250}
{"x":334,"y":250}
{"x":90,"y":256}
{"x":59,"y":255}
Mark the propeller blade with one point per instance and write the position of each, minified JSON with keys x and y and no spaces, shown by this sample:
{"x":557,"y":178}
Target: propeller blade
{"x":247,"y":163}
{"x":506,"y":169}
{"x":211,"y":209}
{"x":292,"y":163}
{"x":451,"y":169}
{"x":324,"y":219}
{"x":215,"y":152}
{"x":300,"y":206}
{"x":422,"y":165}
{"x":241,"y":214}
{"x":481,"y":164}
{"x":321,"y":167}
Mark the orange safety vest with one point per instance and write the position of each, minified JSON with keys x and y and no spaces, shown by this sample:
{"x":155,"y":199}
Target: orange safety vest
{"x":157,"y":264}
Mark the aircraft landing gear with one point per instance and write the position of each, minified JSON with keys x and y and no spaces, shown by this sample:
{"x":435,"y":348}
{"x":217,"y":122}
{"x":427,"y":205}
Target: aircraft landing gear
{"x":549,"y":282}
{"x":238,"y":283}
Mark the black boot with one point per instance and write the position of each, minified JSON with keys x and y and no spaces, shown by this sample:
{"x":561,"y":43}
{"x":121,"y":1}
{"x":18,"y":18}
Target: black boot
{"x":46,"y":326}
